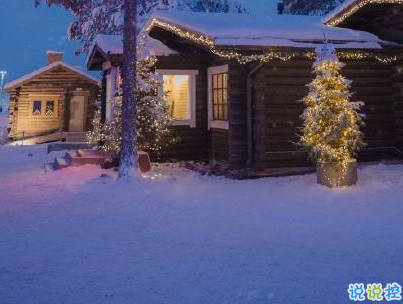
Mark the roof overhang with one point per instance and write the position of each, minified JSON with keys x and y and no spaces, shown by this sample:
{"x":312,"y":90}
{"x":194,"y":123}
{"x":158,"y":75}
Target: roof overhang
{"x":212,"y":31}
{"x":95,"y":59}
{"x":180,"y":34}
{"x":110,"y":48}
{"x":341,"y":13}
{"x":381,"y":17}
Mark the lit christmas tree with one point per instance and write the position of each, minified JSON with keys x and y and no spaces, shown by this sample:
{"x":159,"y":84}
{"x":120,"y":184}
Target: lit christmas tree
{"x":331,"y":121}
{"x":154,"y":120}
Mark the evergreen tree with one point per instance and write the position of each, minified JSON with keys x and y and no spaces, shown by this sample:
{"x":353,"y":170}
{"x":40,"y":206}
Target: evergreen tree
{"x":311,"y":7}
{"x":331,"y":122}
{"x":93,"y":17}
{"x":153,"y":117}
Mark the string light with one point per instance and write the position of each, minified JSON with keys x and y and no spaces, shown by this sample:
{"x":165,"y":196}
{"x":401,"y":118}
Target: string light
{"x":352,"y":9}
{"x":269,"y":55}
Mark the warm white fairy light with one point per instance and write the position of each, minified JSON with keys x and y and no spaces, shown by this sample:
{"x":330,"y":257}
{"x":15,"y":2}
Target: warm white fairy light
{"x":332,"y":123}
{"x":355,"y":7}
{"x":269,"y":55}
{"x":153,"y":118}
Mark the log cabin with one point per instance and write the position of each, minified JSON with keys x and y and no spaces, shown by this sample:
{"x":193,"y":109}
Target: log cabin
{"x":55,"y":99}
{"x":241,"y":79}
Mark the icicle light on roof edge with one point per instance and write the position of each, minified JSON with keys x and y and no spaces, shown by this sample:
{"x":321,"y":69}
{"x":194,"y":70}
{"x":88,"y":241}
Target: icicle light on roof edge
{"x":271,"y":55}
{"x":334,"y":21}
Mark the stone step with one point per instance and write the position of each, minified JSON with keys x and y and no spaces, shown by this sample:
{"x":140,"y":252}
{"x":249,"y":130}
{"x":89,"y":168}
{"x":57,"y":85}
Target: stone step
{"x":60,"y":146}
{"x":76,"y":137}
{"x":91,"y":153}
{"x":86,"y":157}
{"x":70,"y":155}
{"x":81,"y":161}
{"x":60,"y":163}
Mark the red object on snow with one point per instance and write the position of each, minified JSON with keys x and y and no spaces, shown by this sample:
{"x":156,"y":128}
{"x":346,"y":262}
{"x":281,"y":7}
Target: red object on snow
{"x":144,"y":162}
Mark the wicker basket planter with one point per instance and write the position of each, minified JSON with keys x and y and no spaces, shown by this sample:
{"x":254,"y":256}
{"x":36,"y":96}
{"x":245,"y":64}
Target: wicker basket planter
{"x":334,"y":175}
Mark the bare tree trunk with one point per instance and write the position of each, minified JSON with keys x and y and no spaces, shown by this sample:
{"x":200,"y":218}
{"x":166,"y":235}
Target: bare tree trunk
{"x":128,"y":154}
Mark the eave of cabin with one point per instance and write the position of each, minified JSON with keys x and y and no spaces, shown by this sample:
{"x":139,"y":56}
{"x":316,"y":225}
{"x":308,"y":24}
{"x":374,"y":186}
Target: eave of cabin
{"x":96,"y":58}
{"x":187,"y":46}
{"x":383,"y":18}
{"x":9,"y":87}
{"x":177,"y":43}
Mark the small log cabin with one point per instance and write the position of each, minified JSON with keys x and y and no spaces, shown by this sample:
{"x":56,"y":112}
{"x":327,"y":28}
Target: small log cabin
{"x":240,"y":80}
{"x":57,"y":97}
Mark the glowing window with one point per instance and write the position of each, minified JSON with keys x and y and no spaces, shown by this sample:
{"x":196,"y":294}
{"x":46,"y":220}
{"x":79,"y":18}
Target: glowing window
{"x":177,"y":90}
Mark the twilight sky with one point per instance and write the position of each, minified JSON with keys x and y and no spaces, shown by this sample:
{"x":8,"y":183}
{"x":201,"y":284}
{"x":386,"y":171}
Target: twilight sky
{"x":26,"y":33}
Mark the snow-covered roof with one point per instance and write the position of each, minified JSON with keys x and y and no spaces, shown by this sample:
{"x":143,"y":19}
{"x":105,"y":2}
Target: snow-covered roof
{"x":28,"y":77}
{"x":350,"y":7}
{"x":109,"y":44}
{"x":265,"y":30}
{"x":113,"y":45}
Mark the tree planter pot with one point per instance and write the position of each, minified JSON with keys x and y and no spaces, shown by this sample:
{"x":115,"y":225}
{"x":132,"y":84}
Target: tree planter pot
{"x":144,"y":162}
{"x":334,"y":175}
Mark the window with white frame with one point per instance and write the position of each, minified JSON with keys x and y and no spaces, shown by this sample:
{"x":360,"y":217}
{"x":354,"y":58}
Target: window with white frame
{"x":179,"y":89}
{"x":218,"y":97}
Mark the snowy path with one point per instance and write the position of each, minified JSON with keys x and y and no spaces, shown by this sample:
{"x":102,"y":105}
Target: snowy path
{"x":73,"y":237}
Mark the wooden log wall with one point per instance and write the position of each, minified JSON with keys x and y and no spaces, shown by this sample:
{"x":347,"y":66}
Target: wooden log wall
{"x":383,"y":20}
{"x":219,"y":144}
{"x":237,"y":115}
{"x":58,"y":82}
{"x":278,"y":89}
{"x":13,"y":111}
{"x":398,"y":107}
{"x":389,"y":24}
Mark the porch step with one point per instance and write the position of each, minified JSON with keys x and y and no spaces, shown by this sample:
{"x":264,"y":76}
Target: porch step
{"x":61,"y":146}
{"x":91,"y":153}
{"x":60,"y":163}
{"x":85,"y":157}
{"x":76,"y":137}
{"x":81,"y":157}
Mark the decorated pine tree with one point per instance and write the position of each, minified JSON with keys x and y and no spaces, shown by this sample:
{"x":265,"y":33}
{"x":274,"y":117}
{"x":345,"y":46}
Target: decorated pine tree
{"x":332,"y":123}
{"x":153,"y":116}
{"x":93,"y":17}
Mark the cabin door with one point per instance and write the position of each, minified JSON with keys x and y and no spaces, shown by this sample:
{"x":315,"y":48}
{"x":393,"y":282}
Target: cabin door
{"x":77,"y":112}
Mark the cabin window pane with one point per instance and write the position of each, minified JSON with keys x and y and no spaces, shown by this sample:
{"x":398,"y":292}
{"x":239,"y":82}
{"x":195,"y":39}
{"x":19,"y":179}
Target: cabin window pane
{"x":50,"y":107}
{"x":37,"y":108}
{"x":177,"y":90}
{"x":220,"y":96}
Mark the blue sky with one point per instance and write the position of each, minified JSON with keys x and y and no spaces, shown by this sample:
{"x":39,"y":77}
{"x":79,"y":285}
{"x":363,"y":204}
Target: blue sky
{"x":26,"y":33}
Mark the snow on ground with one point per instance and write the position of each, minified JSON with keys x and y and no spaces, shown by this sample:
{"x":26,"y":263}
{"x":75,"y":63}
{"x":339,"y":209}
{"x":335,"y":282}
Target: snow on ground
{"x":74,"y":237}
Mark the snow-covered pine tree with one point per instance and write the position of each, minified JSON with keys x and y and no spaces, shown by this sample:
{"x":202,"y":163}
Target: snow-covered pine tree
{"x":311,"y":7}
{"x":93,"y":17}
{"x":212,"y":6}
{"x":332,"y":123}
{"x":153,"y":118}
